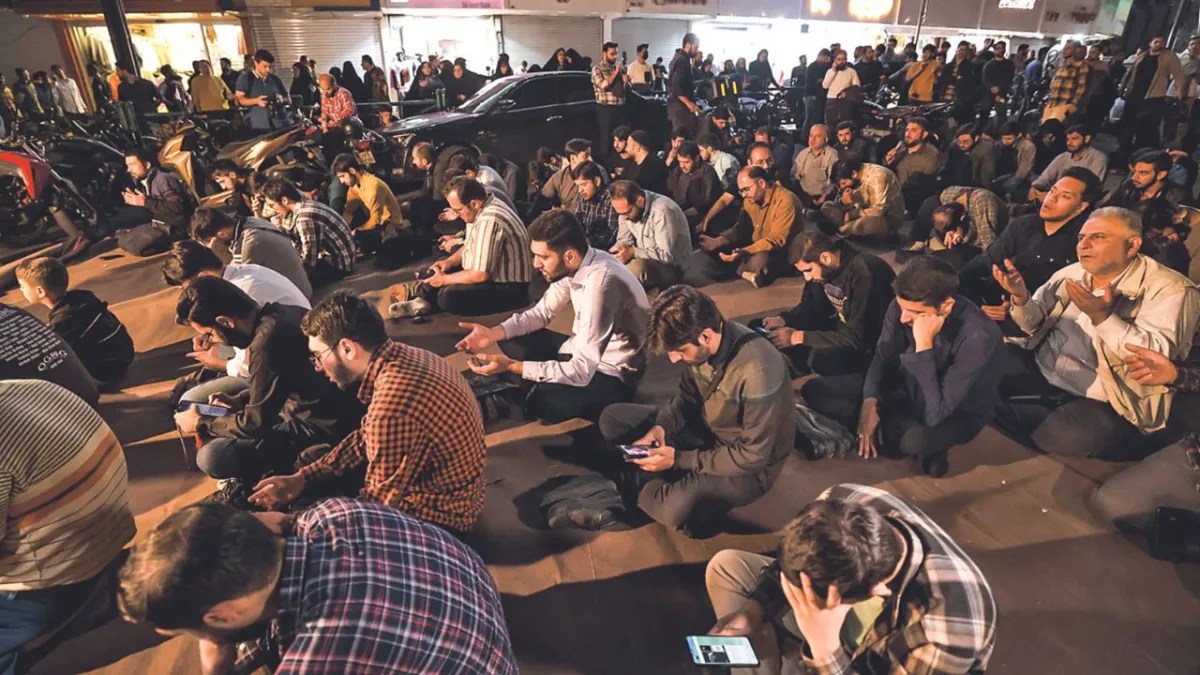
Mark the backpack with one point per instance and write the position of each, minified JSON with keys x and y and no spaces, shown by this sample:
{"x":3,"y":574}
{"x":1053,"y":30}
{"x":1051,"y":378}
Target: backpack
{"x":145,"y":240}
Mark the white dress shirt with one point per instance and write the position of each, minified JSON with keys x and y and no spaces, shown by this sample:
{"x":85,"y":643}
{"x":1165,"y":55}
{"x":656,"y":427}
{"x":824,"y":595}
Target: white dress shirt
{"x":69,"y":97}
{"x":608,"y":331}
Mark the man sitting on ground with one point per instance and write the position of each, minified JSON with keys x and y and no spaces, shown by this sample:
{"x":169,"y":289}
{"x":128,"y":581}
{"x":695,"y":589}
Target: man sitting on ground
{"x":236,"y":179}
{"x":725,"y":164}
{"x":916,"y":163}
{"x":755,"y":249}
{"x":421,"y":439}
{"x":932,"y":382}
{"x":813,"y":168}
{"x":157,"y":195}
{"x":43,"y":355}
{"x":652,"y":235}
{"x":850,"y":144}
{"x":984,"y":213}
{"x":486,"y":175}
{"x":719,"y":216}
{"x":560,"y":188}
{"x":648,"y":171}
{"x":722,"y":440}
{"x":1023,"y":154}
{"x":973,"y":161}
{"x":346,"y":586}
{"x":870,"y":204}
{"x":370,"y":206}
{"x":64,"y":509}
{"x":1079,"y":153}
{"x":594,"y":207}
{"x":619,"y":160}
{"x":287,"y":407}
{"x":250,"y":241}
{"x":1079,"y":323}
{"x":490,"y":273}
{"x":602,"y":362}
{"x":1147,"y":180}
{"x":79,"y":317}
{"x":692,"y":184}
{"x":860,"y":558}
{"x":834,"y":327}
{"x":320,"y":234}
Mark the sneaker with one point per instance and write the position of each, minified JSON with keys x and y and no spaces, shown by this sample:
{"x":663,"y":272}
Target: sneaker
{"x":409,"y":308}
{"x":916,"y":247}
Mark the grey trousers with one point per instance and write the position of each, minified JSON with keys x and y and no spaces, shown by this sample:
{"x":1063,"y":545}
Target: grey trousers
{"x":1165,"y":478}
{"x":226,"y":384}
{"x":655,"y":273}
{"x":731,"y":578}
{"x":866,"y":226}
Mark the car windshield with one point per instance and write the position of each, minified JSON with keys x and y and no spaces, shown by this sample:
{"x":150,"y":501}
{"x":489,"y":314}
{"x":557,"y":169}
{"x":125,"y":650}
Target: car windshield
{"x":485,"y":96}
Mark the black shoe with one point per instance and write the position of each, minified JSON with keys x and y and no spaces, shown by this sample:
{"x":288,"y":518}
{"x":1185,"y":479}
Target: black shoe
{"x":936,"y":466}
{"x":233,"y":492}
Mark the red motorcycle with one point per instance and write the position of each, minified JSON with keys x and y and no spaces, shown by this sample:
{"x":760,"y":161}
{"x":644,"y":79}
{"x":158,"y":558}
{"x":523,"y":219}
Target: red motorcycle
{"x":34,"y":198}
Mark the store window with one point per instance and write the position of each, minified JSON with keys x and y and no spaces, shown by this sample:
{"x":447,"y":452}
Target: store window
{"x":177,"y":44}
{"x":471,"y":38}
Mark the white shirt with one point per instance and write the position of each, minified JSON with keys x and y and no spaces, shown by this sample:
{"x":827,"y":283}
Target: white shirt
{"x":609,"y":329}
{"x":662,"y":234}
{"x":489,"y":177}
{"x":640,"y":73}
{"x":837,"y":81}
{"x":726,"y":166}
{"x":69,"y":97}
{"x":263,"y":285}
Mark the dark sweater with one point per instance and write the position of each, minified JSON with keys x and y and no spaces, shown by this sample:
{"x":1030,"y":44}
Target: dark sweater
{"x":96,"y":334}
{"x":1034,"y":253}
{"x":650,"y":175}
{"x":29,"y":350}
{"x":959,"y":375}
{"x":857,"y":296}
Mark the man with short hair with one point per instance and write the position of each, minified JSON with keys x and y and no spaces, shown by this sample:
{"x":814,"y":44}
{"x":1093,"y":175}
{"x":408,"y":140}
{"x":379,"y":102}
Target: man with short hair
{"x":814,"y":167}
{"x":641,"y":75}
{"x":983,"y":215}
{"x":1069,"y":84}
{"x":870,"y":204}
{"x":1189,"y":61}
{"x":864,"y":582}
{"x":136,"y":90}
{"x":287,"y":406}
{"x":997,"y":75}
{"x":1015,"y":140}
{"x":593,"y":208}
{"x":814,"y":93}
{"x":609,"y":80}
{"x":1147,"y":180}
{"x":258,"y":88}
{"x":1146,"y":84}
{"x":1079,"y":153}
{"x":834,"y":327}
{"x":67,"y":90}
{"x":681,"y":85}
{"x":320,"y":234}
{"x":370,"y":195}
{"x":602,"y":361}
{"x":653,"y":238}
{"x":43,"y":356}
{"x":922,"y":76}
{"x":618,"y":160}
{"x":755,"y":248}
{"x":932,"y":382}
{"x":208,"y":92}
{"x":916,"y":163}
{"x":647,"y":170}
{"x":759,"y":154}
{"x":375,"y":80}
{"x":421,"y":439}
{"x":489,"y":178}
{"x":973,"y":158}
{"x":1077,"y":397}
{"x":489,"y":273}
{"x":250,"y":241}
{"x":692,"y":183}
{"x":722,"y":440}
{"x":560,"y":188}
{"x":849,"y":143}
{"x":346,"y":586}
{"x":64,"y":510}
{"x":156,"y":195}
{"x":725,"y":164}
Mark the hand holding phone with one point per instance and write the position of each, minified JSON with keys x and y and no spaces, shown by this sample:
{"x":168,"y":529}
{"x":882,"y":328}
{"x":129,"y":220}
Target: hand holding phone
{"x":206,"y":409}
{"x":713,"y":650}
{"x":633,"y":452}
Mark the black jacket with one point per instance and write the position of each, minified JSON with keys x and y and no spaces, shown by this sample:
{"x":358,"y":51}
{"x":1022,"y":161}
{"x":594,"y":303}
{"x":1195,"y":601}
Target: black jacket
{"x":1034,"y":253}
{"x":651,"y":174}
{"x":863,"y":287}
{"x":96,"y":334}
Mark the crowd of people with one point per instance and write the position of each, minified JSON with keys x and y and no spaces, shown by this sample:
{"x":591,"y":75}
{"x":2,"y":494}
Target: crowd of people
{"x":1043,"y":290}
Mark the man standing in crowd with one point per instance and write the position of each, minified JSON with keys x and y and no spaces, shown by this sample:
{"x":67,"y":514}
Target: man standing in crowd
{"x":321,"y":235}
{"x":755,"y":248}
{"x":67,"y":91}
{"x":839,"y":80}
{"x":65,"y":510}
{"x":602,"y":361}
{"x":641,"y":75}
{"x":870,"y":204}
{"x":653,"y":238}
{"x":346,"y":586}
{"x":859,"y":557}
{"x":1189,"y":60}
{"x":1079,"y":153}
{"x":138,"y":91}
{"x":932,"y":381}
{"x":609,"y":81}
{"x":681,"y":86}
{"x":814,"y":91}
{"x":1146,"y":84}
{"x":259,"y":88}
{"x":337,"y":105}
{"x":922,"y":77}
{"x":208,"y":92}
{"x":813,"y":168}
{"x":722,"y":440}
{"x":1069,"y":84}
{"x":287,"y":406}
{"x":228,"y":74}
{"x":489,"y":273}
{"x":998,"y":76}
{"x":834,"y":327}
{"x":1079,"y":323}
{"x":421,"y":439}
{"x":375,"y":80}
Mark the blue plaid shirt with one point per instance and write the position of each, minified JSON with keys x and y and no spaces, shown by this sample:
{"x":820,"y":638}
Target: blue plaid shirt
{"x":368,"y":589}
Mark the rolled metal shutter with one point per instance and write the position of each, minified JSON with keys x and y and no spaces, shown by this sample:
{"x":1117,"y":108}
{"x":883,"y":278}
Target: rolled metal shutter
{"x":534,"y":38}
{"x":327,"y":40}
{"x":663,"y":35}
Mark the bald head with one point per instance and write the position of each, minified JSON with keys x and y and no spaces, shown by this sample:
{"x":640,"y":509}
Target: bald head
{"x":818,"y":136}
{"x":327,"y":84}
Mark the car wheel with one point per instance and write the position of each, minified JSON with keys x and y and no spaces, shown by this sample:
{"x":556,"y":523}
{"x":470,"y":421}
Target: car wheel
{"x":443,"y":160}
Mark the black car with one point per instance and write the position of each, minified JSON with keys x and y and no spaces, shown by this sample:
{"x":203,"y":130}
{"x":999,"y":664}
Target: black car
{"x":514,"y":116}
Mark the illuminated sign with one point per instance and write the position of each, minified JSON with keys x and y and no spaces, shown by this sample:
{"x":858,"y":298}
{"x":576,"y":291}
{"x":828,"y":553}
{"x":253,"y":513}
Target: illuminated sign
{"x":1018,"y":4}
{"x":879,"y":11}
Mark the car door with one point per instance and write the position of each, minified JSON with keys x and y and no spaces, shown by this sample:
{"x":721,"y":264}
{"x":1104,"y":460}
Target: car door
{"x":536,"y":118}
{"x":579,"y":105}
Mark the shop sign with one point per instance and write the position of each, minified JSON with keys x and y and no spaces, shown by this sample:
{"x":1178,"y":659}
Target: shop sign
{"x":674,"y":6}
{"x":131,"y":6}
{"x":872,"y":11}
{"x":446,"y":4}
{"x":760,"y":8}
{"x":572,"y":6}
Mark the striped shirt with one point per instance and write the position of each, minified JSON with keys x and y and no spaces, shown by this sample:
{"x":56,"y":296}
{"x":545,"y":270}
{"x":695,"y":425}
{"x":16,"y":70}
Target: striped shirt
{"x":497,"y":243}
{"x":64,"y":513}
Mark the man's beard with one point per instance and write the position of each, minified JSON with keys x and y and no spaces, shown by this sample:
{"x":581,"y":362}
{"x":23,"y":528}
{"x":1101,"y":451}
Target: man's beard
{"x":234,"y":337}
{"x":341,"y":375}
{"x":913,"y":144}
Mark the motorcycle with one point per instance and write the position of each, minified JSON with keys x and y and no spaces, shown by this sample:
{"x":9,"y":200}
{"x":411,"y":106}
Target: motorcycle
{"x":34,"y":197}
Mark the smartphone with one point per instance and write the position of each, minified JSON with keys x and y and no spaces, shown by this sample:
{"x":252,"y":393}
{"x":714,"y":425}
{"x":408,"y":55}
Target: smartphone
{"x":634,"y":451}
{"x":715,"y":650}
{"x":765,"y":332}
{"x":204,"y":409}
{"x":423,"y":274}
{"x":477,"y":362}
{"x":1175,"y":535}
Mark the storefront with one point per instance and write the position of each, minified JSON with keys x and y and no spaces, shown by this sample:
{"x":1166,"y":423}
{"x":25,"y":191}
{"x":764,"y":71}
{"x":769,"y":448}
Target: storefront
{"x":328,"y":38}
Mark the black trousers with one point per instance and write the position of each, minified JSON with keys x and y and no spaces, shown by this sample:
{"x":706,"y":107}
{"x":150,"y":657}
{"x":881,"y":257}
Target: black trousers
{"x":324,"y":273}
{"x":678,"y":498}
{"x":476,"y":299}
{"x":552,"y":402}
{"x":816,"y":313}
{"x":679,"y":116}
{"x":904,"y":433}
{"x":1141,"y":124}
{"x":249,"y":459}
{"x":608,"y":117}
{"x":1038,"y":414}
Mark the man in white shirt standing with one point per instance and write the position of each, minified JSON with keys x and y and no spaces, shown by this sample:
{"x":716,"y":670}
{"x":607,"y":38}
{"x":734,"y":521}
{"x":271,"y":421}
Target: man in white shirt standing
{"x":653,"y":238}
{"x":641,"y":74}
{"x":68,"y":92}
{"x":603,"y":360}
{"x":839,"y":105}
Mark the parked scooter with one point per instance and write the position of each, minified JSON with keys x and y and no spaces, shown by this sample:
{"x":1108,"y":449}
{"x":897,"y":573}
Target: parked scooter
{"x":34,"y":198}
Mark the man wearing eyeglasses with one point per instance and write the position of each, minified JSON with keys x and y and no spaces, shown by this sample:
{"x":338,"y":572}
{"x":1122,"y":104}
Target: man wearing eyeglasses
{"x":288,"y":405}
{"x":755,"y":249}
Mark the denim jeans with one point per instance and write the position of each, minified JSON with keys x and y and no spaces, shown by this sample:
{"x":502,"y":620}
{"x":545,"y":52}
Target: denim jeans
{"x":24,"y":615}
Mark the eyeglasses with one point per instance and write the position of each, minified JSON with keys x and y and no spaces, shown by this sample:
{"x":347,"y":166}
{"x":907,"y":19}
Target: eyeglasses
{"x":745,"y":190}
{"x":317,"y":357}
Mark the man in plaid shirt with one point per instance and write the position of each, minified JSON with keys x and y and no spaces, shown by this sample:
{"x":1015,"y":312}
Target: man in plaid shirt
{"x":1069,"y":83}
{"x":322,"y":236}
{"x":347,"y":587}
{"x":422,"y":437}
{"x":594,"y":206}
{"x":865,"y":582}
{"x":609,"y":81}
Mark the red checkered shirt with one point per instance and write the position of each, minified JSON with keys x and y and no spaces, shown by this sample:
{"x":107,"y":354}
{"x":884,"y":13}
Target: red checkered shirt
{"x":336,"y":107}
{"x":421,"y":439}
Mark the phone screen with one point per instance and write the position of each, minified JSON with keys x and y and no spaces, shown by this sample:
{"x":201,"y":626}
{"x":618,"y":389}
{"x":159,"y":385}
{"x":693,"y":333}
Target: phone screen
{"x":713,"y":650}
{"x":635,"y":451}
{"x":204,"y":409}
